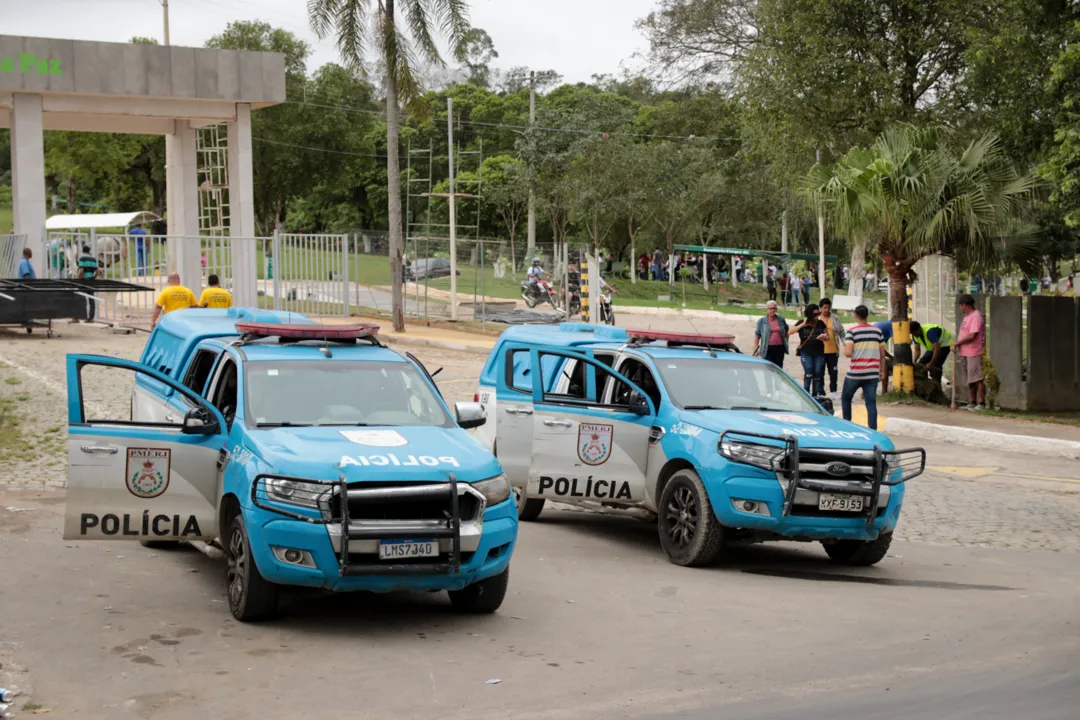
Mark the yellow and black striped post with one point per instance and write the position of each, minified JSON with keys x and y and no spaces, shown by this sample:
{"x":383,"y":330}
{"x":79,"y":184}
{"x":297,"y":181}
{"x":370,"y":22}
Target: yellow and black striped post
{"x":903,"y":357}
{"x":584,"y":287}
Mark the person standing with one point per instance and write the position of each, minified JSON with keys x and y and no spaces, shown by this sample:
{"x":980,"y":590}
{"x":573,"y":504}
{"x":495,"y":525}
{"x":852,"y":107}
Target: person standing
{"x":835,"y":330}
{"x":971,"y":342}
{"x":807,"y":283}
{"x":811,"y":350}
{"x":658,"y":264}
{"x":771,"y":336}
{"x":139,"y":234}
{"x":174,"y":297}
{"x":936,"y":343}
{"x":770,"y":284}
{"x":26,"y":268}
{"x":88,"y":270}
{"x":58,"y":260}
{"x":866,"y":348}
{"x":795,"y":288}
{"x":215,"y":296}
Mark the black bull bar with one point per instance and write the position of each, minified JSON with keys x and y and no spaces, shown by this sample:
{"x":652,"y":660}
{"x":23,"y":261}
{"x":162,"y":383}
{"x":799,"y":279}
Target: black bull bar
{"x":323,"y":501}
{"x":890,"y":467}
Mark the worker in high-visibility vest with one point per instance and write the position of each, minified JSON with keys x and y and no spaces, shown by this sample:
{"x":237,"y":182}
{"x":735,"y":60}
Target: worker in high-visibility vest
{"x":936,"y":343}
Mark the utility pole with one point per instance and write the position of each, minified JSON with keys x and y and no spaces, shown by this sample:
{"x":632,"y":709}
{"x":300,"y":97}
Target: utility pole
{"x":165,"y":14}
{"x":453,"y":210}
{"x":821,"y":244}
{"x":532,"y":195}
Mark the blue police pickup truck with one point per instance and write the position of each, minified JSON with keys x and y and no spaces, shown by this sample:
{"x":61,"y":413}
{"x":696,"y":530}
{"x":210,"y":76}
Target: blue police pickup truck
{"x":713,"y":444}
{"x":314,"y":455}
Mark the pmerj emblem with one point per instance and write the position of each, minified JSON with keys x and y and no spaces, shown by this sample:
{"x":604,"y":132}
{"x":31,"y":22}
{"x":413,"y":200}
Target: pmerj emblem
{"x":594,"y":443}
{"x":147,"y":474}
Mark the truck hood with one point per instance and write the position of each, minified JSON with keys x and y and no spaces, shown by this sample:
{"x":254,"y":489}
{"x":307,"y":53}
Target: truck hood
{"x":813,"y":430}
{"x":375,"y":454}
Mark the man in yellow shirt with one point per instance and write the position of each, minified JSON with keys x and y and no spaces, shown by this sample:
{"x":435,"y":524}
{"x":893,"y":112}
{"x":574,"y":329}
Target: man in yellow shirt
{"x":215,"y":296}
{"x":174,"y":297}
{"x":835,"y":330}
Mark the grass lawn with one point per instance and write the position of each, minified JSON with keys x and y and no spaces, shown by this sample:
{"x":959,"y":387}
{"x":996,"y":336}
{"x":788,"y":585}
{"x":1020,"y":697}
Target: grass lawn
{"x":7,"y":220}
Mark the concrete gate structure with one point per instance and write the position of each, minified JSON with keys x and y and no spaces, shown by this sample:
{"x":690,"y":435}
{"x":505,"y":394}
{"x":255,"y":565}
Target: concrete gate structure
{"x":53,"y":84}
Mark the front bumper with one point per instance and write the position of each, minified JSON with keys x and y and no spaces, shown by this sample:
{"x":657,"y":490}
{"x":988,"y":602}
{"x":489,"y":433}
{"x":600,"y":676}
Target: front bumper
{"x":784,"y":498}
{"x":342,"y":552}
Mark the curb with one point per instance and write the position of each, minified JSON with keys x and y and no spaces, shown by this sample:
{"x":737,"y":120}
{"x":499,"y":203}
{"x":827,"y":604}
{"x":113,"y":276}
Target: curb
{"x":1027,"y":444}
{"x":440,"y":344}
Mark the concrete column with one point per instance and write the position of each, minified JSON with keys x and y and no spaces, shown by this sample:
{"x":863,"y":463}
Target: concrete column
{"x":28,"y":175}
{"x":182,"y":204}
{"x":242,"y":209}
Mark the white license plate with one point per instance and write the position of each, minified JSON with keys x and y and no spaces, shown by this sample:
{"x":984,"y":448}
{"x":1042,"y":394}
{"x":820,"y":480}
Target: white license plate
{"x":401,"y":549}
{"x":840,"y":503}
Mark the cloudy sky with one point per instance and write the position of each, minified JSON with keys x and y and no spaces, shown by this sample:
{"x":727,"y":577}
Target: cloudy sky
{"x":577,"y":38}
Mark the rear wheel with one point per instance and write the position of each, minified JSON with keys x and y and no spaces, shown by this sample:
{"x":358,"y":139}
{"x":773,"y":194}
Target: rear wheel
{"x":482,"y":597}
{"x":528,"y":508}
{"x":859,"y":553}
{"x":689,"y":531}
{"x":251,"y":596}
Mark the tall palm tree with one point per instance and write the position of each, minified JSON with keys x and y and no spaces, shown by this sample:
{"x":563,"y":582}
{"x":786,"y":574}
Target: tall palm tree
{"x":355,"y":24}
{"x":914,"y":193}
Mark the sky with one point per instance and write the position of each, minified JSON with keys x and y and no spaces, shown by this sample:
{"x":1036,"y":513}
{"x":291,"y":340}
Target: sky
{"x":576,"y":38}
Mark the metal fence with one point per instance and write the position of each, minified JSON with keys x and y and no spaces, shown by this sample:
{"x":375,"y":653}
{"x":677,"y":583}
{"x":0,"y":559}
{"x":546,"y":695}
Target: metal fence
{"x":933,"y":296}
{"x":11,"y":247}
{"x":308,"y":274}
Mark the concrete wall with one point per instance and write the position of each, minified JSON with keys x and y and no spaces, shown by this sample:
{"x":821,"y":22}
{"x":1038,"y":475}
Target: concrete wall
{"x":1053,"y":352}
{"x":122,"y":69}
{"x":1006,"y":339}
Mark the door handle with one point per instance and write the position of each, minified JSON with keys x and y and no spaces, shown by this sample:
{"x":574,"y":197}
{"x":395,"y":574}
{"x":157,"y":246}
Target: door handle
{"x":519,"y":411}
{"x":559,"y":423}
{"x":100,"y":449}
{"x":169,"y":418}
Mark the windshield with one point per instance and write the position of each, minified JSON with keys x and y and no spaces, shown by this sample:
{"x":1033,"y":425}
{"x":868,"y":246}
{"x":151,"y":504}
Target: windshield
{"x":716,"y":384}
{"x":343,"y":393}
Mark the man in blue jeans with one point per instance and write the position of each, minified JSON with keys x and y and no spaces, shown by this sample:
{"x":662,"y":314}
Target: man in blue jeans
{"x":866,"y":348}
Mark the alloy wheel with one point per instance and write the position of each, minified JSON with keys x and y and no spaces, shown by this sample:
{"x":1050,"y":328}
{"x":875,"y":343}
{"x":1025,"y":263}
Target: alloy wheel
{"x":681,"y":515}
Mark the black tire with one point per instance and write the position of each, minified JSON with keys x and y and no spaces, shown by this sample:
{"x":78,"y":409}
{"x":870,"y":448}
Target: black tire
{"x":481,"y":598}
{"x":528,"y":508}
{"x":689,"y":531}
{"x":160,"y":544}
{"x":251,"y":596}
{"x":529,"y":302}
{"x":859,"y":553}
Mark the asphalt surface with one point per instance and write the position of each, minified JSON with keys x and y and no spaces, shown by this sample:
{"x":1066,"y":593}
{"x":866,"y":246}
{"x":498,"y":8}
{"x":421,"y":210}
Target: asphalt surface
{"x":973,"y":614}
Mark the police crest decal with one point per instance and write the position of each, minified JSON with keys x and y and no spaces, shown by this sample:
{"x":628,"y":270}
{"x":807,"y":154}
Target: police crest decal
{"x":594,"y":443}
{"x":147,"y":473}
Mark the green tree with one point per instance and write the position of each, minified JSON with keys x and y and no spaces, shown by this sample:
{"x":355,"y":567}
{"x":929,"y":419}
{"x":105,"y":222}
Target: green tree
{"x":506,"y":191}
{"x":479,"y":52}
{"x":355,"y":23}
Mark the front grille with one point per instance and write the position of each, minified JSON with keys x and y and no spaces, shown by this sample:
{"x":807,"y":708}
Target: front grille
{"x":406,"y":505}
{"x":814,"y":464}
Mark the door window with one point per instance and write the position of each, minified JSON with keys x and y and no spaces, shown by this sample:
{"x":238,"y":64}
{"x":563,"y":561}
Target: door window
{"x":106,"y":395}
{"x":642,"y":376}
{"x":225,"y":391}
{"x":199,"y":369}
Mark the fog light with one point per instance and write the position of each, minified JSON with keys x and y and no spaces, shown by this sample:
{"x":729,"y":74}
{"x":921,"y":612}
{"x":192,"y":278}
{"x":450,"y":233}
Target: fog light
{"x":749,"y":506}
{"x":293,"y":556}
{"x":754,"y":507}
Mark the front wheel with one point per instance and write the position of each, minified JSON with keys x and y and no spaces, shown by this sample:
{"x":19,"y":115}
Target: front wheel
{"x":689,"y":531}
{"x":251,"y":596}
{"x":482,"y":597}
{"x":859,"y":553}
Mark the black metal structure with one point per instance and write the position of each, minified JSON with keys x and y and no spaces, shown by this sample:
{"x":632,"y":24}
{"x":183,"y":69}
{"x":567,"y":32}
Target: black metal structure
{"x":27,"y":303}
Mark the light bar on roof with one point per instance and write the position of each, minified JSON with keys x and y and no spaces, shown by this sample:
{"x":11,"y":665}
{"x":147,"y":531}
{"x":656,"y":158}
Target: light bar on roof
{"x":681,"y":338}
{"x":294,"y":331}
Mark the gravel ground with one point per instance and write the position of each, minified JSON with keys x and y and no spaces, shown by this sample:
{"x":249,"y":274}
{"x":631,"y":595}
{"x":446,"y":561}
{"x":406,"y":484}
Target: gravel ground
{"x":997,"y":509}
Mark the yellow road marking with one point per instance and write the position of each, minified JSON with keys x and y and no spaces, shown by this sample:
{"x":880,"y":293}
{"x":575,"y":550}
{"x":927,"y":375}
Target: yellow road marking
{"x":971,"y":472}
{"x":858,"y":416}
{"x":1043,"y":477}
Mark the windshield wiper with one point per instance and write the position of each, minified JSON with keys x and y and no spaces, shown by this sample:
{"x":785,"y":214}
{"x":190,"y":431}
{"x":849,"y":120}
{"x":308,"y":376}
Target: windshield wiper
{"x":344,"y":425}
{"x":702,"y":407}
{"x":755,"y":407}
{"x":281,"y":424}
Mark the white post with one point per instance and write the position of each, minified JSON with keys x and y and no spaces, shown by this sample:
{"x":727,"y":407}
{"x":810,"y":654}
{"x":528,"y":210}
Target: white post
{"x":181,"y":182}
{"x":532,"y":195}
{"x":783,"y":232}
{"x":242,"y":209}
{"x":28,"y":175}
{"x":165,"y":14}
{"x":453,"y":210}
{"x":821,"y":246}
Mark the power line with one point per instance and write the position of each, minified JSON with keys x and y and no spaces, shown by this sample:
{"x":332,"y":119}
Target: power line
{"x":318,"y":149}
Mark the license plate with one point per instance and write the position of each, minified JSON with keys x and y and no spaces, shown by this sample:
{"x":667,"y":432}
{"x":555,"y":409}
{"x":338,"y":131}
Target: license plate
{"x":840,"y":503}
{"x":400,"y":549}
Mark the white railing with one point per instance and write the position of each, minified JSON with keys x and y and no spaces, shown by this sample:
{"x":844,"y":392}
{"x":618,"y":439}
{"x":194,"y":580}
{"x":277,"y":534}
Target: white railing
{"x":308,"y":274}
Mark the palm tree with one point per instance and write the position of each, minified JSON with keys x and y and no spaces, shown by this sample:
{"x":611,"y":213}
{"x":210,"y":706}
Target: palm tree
{"x":358,"y":22}
{"x":913,"y":193}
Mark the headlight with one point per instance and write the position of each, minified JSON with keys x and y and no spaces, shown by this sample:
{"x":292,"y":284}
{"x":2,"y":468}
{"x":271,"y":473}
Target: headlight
{"x":495,"y":490}
{"x":766,"y":457}
{"x":297,"y":492}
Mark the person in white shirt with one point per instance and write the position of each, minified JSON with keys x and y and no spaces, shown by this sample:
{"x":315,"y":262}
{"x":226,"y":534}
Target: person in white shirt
{"x":796,"y":288}
{"x":536,"y":271}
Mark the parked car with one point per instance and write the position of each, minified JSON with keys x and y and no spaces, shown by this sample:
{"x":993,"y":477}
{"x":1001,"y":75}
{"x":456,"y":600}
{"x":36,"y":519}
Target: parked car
{"x":425,"y":268}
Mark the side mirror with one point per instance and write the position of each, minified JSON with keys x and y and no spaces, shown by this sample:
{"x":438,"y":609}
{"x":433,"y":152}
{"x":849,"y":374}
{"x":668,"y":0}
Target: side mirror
{"x":638,"y":404}
{"x":826,"y":403}
{"x":470,"y":414}
{"x":199,"y":421}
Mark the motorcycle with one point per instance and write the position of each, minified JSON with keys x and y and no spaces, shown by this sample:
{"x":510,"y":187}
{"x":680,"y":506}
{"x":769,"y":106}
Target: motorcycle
{"x":539,"y":292}
{"x":607,"y":315}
